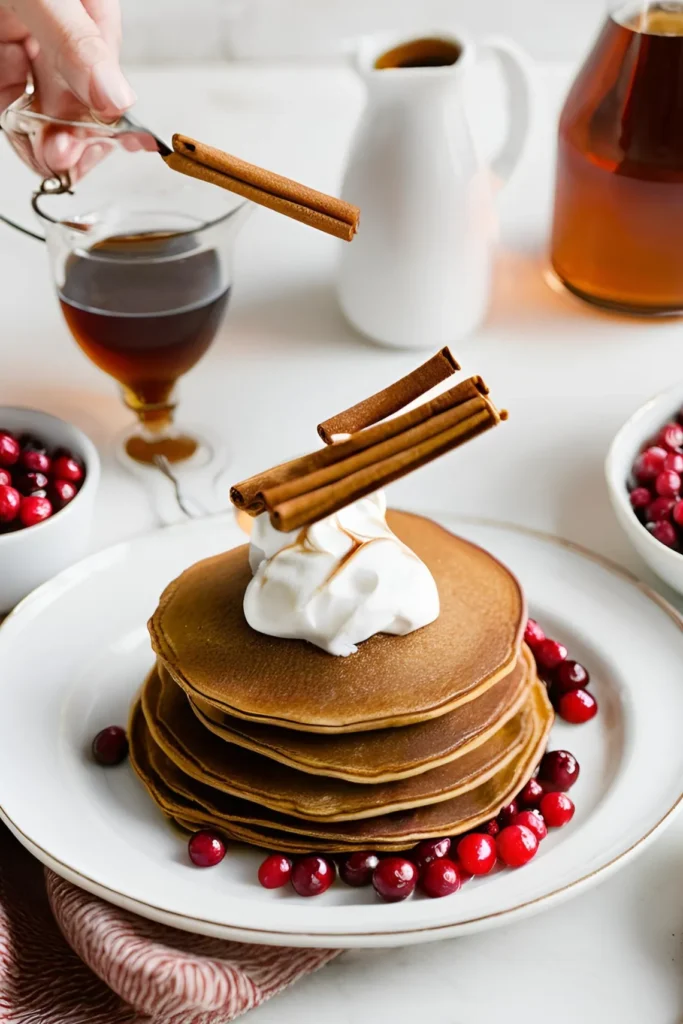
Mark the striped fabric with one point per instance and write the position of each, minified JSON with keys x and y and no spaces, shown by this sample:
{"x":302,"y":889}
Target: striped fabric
{"x":117,"y":968}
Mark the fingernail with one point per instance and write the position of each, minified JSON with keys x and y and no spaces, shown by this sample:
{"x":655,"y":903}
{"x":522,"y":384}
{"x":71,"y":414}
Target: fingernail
{"x":32,"y":47}
{"x":109,"y":89}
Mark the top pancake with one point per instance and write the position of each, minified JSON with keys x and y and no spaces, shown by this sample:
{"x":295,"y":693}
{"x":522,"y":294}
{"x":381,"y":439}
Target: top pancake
{"x":200,"y":633}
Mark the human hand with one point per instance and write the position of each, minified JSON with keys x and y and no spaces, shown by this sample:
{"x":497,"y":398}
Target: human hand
{"x":71,"y":47}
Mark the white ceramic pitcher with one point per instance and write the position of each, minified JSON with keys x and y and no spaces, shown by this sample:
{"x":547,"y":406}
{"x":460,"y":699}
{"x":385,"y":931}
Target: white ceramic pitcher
{"x":418,"y":273}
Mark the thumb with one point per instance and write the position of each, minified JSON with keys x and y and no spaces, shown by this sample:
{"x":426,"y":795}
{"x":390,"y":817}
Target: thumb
{"x":72,"y":42}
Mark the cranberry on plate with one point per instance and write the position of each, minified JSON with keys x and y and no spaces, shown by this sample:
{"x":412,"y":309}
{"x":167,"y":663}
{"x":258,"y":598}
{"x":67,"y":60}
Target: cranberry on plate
{"x":206,"y":849}
{"x":477,"y":853}
{"x":394,"y":879}
{"x":577,"y":706}
{"x":531,"y":795}
{"x":357,"y":868}
{"x":559,"y":769}
{"x":516,"y":845}
{"x":429,"y":850}
{"x":441,"y":877}
{"x":110,"y":746}
{"x":533,"y":820}
{"x":557,"y":809}
{"x":275,"y":871}
{"x":313,"y":875}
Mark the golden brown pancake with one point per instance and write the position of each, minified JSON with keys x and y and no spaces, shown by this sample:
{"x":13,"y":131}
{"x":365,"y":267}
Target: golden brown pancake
{"x":193,"y":803}
{"x":380,"y":755}
{"x":204,"y":757}
{"x":200,"y":633}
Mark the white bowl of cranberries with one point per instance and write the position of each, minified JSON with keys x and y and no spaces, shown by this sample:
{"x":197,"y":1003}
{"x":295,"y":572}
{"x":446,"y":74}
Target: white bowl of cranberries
{"x":644,"y":471}
{"x":49,"y":471}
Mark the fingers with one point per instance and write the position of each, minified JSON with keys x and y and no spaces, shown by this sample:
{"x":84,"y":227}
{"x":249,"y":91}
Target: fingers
{"x":79,"y":51}
{"x":12,"y":30}
{"x":14,"y":68}
{"x":107,"y":16}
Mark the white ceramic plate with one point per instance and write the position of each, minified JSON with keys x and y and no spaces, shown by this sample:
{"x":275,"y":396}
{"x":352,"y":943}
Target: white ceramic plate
{"x":73,"y":654}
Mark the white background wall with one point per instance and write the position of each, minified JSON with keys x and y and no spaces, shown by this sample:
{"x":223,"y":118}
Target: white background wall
{"x":158,"y":31}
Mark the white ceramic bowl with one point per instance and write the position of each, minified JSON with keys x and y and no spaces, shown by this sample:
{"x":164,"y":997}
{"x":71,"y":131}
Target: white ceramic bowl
{"x":634,"y":434}
{"x":30,"y":557}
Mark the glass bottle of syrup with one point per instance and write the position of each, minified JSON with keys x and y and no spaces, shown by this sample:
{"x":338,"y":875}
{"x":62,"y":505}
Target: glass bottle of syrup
{"x":617,"y":236}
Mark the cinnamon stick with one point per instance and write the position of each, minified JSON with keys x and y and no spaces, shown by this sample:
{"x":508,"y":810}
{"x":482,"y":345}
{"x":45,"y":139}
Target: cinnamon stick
{"x":390,"y":400}
{"x":314,"y":505}
{"x":249,"y":494}
{"x":307,"y":205}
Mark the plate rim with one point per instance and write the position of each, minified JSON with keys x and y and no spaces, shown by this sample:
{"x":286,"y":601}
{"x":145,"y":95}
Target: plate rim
{"x":393,"y":936}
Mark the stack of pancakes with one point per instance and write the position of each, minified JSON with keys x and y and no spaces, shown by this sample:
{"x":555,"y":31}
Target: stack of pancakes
{"x":279,"y":744}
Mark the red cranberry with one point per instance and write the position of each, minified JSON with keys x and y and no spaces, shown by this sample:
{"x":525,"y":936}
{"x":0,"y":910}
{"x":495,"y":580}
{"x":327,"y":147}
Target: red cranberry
{"x":668,"y":484}
{"x":560,"y":769}
{"x":549,"y":654}
{"x":5,"y":478}
{"x":489,"y":828}
{"x":673,"y":463}
{"x":394,"y":879}
{"x":577,"y":706}
{"x":31,"y":483}
{"x":10,"y":450}
{"x":429,"y":850}
{"x":275,"y":871}
{"x":313,"y":875}
{"x":570,"y":675}
{"x":10,"y":503}
{"x":640,"y":497}
{"x":206,"y":849}
{"x":649,"y":463}
{"x":660,"y":508}
{"x":516,"y":844}
{"x":534,"y":821}
{"x":440,"y":878}
{"x":477,"y":853}
{"x":35,"y":461}
{"x":557,"y":809}
{"x":34,"y":509}
{"x":533,"y":634}
{"x":507,"y":813}
{"x":61,"y":492}
{"x":531,"y":795}
{"x":66,"y":467}
{"x":110,"y":746}
{"x":663,"y":532}
{"x":357,"y":868}
{"x":677,"y":513}
{"x":670,"y":436}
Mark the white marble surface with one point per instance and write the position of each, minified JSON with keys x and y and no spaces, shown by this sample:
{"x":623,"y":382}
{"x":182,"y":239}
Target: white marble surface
{"x":169,"y":30}
{"x":569,"y":376}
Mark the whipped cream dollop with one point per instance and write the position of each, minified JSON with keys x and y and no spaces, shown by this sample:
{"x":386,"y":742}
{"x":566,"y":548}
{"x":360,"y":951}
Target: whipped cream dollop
{"x":339,"y":581}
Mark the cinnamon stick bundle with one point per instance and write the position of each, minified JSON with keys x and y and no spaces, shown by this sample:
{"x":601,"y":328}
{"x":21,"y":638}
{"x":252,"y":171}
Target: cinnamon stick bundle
{"x":326,"y":213}
{"x":250,"y":495}
{"x":301,"y":491}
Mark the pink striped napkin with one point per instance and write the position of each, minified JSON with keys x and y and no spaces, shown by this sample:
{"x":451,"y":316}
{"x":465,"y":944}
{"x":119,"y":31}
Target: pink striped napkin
{"x":67,"y":957}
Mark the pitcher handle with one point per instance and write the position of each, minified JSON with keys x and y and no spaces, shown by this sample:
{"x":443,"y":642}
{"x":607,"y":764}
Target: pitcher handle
{"x":515,"y":66}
